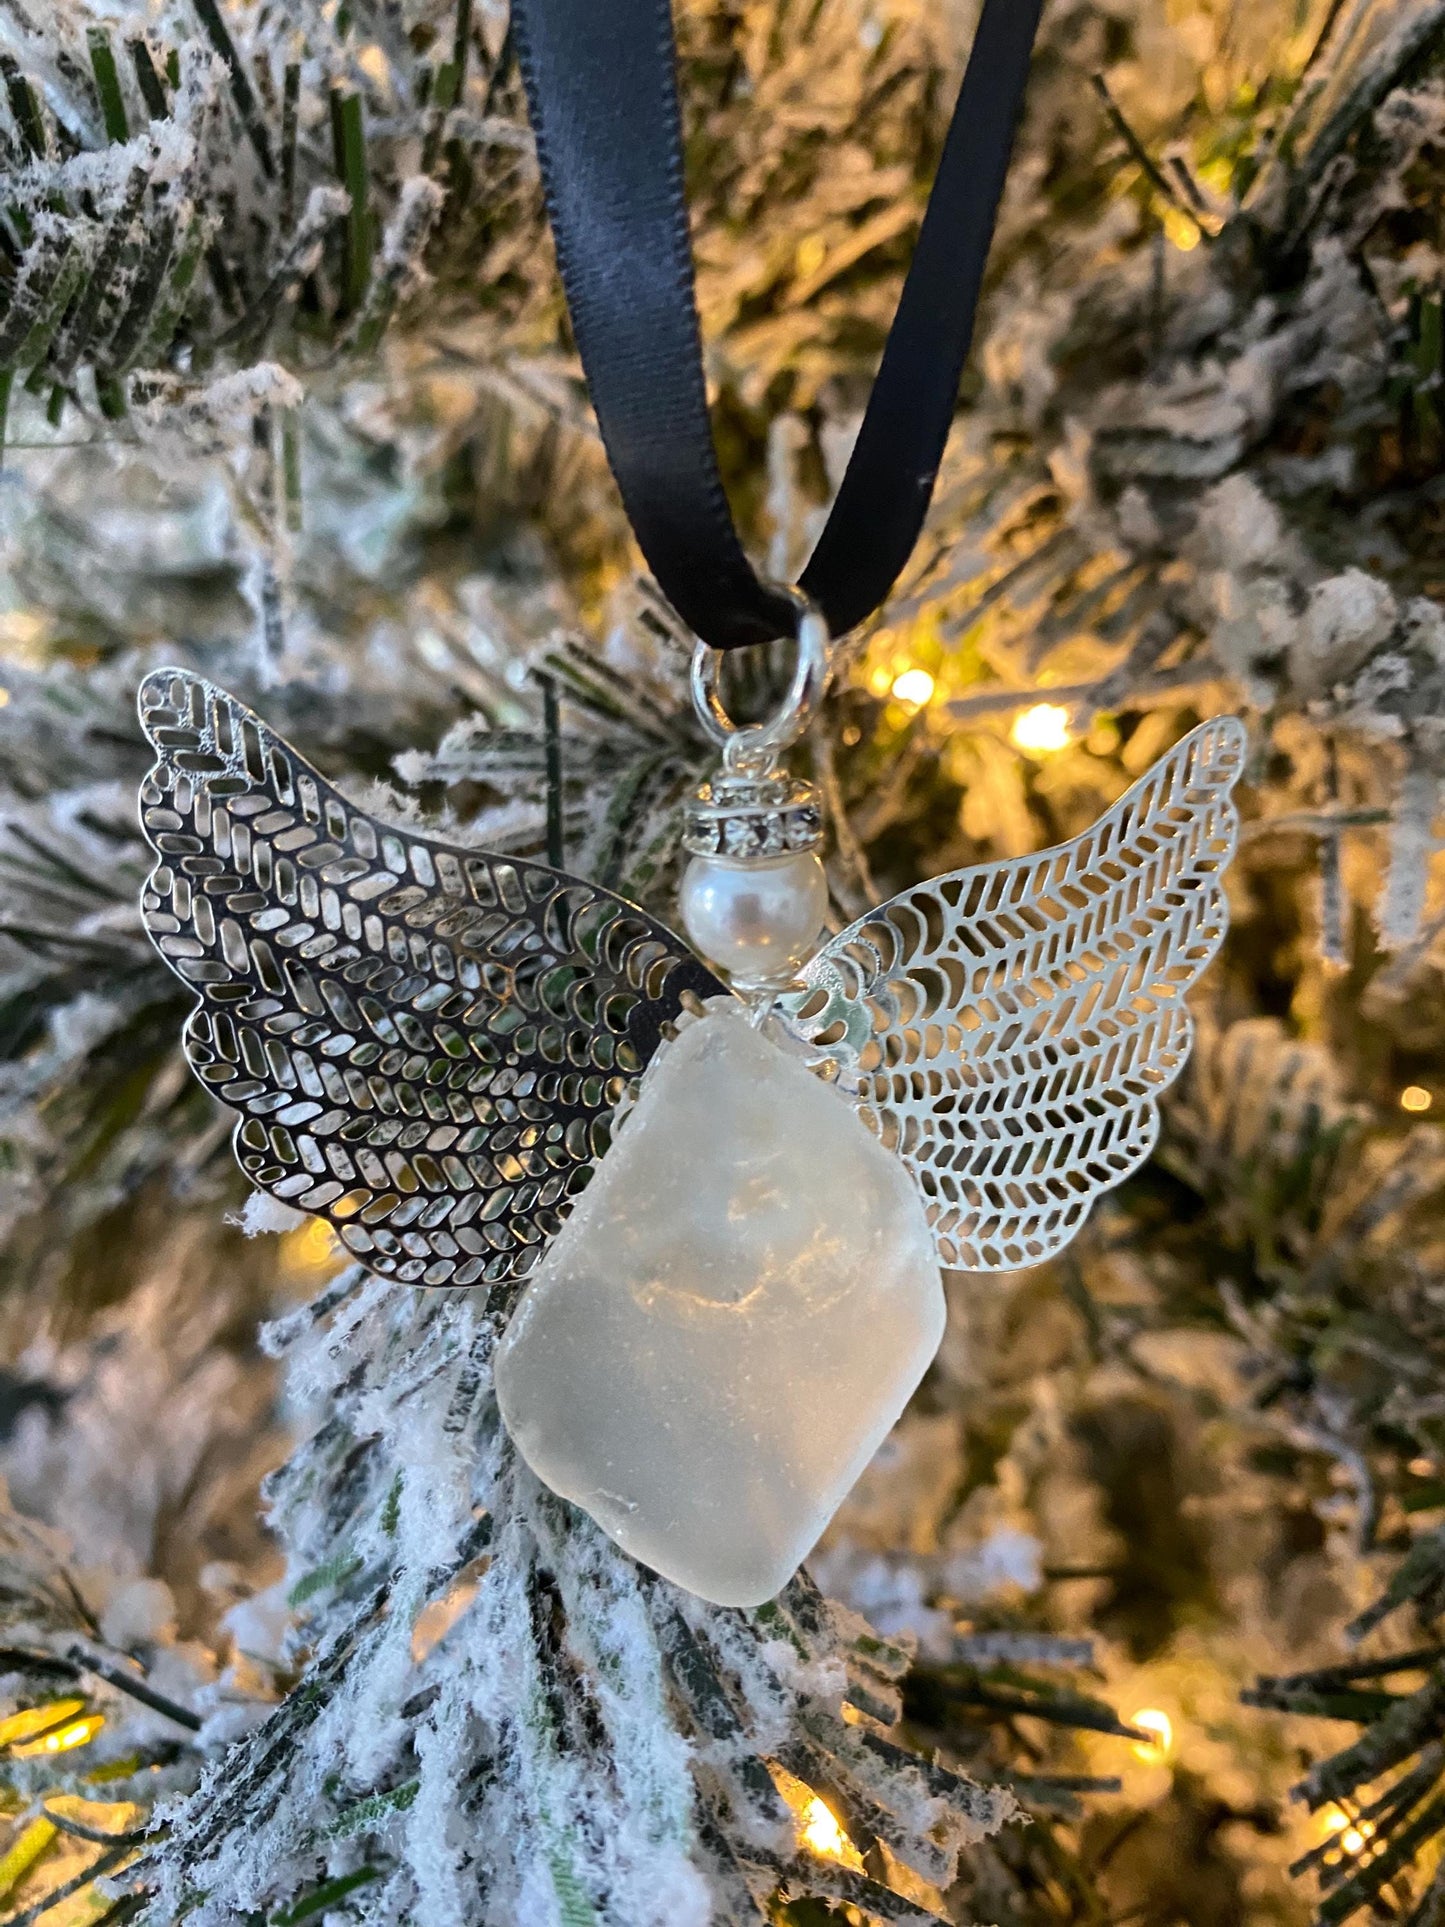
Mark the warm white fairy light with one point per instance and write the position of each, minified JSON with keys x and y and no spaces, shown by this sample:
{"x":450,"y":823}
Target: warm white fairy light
{"x":31,"y":1720}
{"x":812,"y":253}
{"x":1041,"y":729}
{"x":1353,"y":1836}
{"x":1160,"y":1727}
{"x":914,"y":687}
{"x":820,"y":1830}
{"x":78,"y":1733}
{"x":311,"y":1248}
{"x":23,"y":1734}
{"x":1181,"y":230}
{"x":1415,"y":1097}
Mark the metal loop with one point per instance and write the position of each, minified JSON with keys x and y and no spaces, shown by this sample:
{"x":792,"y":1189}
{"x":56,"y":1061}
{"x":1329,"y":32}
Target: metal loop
{"x":750,"y":748}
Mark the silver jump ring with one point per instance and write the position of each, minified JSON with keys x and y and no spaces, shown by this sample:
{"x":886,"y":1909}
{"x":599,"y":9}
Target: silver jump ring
{"x":748,"y":746}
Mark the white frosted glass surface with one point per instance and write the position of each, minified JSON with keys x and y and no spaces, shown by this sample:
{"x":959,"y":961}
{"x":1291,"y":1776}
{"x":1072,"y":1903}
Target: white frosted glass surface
{"x":730,"y":1321}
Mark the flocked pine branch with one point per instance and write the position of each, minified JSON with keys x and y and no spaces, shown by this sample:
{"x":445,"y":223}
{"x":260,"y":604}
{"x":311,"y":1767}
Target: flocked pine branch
{"x":502,"y":1718}
{"x":1196,"y":468}
{"x":104,"y":1722}
{"x":1385,"y":1790}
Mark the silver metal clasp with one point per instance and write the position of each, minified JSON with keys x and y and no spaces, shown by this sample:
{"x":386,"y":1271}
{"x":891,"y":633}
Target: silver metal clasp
{"x":752,"y":749}
{"x":751,"y":810}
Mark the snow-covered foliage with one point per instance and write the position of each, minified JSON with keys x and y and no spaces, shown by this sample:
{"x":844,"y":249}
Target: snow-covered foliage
{"x":503,"y":1718}
{"x":287,"y":397}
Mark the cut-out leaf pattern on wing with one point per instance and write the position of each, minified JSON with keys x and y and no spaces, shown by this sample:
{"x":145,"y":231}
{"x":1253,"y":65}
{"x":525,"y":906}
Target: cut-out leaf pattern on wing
{"x":426,"y":1044}
{"x":1008,"y":1029}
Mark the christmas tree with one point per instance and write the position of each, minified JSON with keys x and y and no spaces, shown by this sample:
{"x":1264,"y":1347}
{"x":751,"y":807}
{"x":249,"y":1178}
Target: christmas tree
{"x":1135,"y":1616}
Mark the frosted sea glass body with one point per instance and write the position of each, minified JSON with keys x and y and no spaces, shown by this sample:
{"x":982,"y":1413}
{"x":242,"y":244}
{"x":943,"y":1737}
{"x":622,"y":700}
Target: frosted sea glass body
{"x":730,"y":1321}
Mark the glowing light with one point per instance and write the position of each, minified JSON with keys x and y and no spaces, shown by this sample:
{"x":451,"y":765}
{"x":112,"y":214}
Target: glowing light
{"x":818,"y":1826}
{"x":821,"y":1832}
{"x":1151,"y":1720}
{"x":64,"y":1739}
{"x":1353,"y":1837}
{"x":311,"y":1247}
{"x":1415,"y":1097}
{"x":22,"y":631}
{"x":1422,"y":1468}
{"x":35,"y":1719}
{"x":1041,"y":729}
{"x":4,"y":697}
{"x":1181,"y":232}
{"x":372,"y":62}
{"x":78,"y":1733}
{"x":812,"y":253}
{"x":913,"y":687}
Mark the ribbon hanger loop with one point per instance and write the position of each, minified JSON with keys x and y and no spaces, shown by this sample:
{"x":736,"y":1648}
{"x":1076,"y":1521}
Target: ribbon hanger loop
{"x":601,"y":87}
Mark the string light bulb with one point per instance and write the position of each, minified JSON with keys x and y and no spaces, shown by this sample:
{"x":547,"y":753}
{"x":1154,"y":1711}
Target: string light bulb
{"x":1181,"y":230}
{"x":821,"y":1832}
{"x":812,"y":253}
{"x":36,"y":1719}
{"x":1160,"y":1727}
{"x":1415,"y":1097}
{"x":1041,"y":729}
{"x":914,"y":687}
{"x":78,"y":1733}
{"x":311,"y":1248}
{"x":63,"y":1739}
{"x":1354,"y":1836}
{"x":819,"y":1829}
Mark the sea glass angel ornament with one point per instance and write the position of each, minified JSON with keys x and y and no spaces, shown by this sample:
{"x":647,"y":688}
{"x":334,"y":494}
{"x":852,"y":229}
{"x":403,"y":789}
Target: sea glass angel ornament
{"x":436,"y":1049}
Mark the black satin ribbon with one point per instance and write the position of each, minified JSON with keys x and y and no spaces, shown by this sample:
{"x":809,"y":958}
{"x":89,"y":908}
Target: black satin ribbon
{"x":601,"y":80}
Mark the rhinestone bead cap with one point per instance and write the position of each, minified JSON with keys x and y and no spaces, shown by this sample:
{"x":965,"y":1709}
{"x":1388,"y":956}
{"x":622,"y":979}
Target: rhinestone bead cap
{"x":753,"y":817}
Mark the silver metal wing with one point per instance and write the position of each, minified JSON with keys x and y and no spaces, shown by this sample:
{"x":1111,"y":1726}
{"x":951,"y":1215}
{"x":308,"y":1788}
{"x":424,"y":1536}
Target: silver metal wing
{"x":425,"y":1044}
{"x":1008,"y":1029}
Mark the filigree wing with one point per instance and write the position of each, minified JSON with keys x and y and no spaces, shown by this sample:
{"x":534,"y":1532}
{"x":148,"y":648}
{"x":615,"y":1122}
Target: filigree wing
{"x":426,"y":1044}
{"x":1008,"y":1029}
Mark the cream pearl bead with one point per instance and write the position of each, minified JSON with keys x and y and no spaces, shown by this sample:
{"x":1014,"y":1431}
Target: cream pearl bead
{"x":756,"y":920}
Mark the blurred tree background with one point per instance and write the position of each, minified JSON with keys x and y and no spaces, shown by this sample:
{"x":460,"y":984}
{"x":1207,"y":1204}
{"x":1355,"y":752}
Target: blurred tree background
{"x":287,"y":396}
